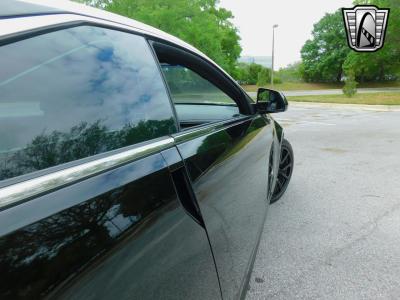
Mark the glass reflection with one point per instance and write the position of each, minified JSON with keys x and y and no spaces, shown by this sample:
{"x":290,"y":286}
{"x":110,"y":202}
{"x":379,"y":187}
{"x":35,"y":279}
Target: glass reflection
{"x":83,"y":140}
{"x":132,"y":242}
{"x":71,"y":89}
{"x":34,"y":255}
{"x":227,"y":169}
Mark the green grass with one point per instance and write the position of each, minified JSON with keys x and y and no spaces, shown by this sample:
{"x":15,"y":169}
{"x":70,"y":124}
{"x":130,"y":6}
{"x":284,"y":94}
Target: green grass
{"x":370,"y":99}
{"x":291,"y":86}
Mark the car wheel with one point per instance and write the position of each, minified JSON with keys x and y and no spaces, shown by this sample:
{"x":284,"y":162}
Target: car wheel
{"x":285,"y":171}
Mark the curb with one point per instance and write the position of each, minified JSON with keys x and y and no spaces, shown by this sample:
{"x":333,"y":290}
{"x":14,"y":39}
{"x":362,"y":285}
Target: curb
{"x":370,"y":107}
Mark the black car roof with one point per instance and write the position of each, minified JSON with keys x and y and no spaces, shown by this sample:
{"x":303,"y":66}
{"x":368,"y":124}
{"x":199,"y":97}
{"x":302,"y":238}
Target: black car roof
{"x":11,"y":8}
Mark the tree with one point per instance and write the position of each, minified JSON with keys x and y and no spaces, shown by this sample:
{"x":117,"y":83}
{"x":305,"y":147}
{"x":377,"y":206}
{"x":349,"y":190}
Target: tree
{"x":384,"y":64}
{"x":262,"y":77}
{"x":249,"y":73}
{"x":253,"y":70}
{"x":325,"y":53}
{"x":350,"y":86}
{"x":199,"y":22}
{"x":327,"y":56}
{"x":291,"y":72}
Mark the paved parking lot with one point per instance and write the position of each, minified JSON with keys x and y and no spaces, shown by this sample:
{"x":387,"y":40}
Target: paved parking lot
{"x":335,"y":234}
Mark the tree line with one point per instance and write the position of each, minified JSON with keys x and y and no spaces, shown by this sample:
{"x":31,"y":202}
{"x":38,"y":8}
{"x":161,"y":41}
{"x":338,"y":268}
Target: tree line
{"x":254,"y":74}
{"x":327,"y":58}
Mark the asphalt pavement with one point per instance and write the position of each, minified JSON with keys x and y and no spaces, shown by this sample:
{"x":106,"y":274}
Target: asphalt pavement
{"x":334,"y":92}
{"x":335,"y":234}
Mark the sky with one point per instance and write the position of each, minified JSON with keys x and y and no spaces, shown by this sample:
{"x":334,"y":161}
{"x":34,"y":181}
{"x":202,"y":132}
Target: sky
{"x":255,"y":18}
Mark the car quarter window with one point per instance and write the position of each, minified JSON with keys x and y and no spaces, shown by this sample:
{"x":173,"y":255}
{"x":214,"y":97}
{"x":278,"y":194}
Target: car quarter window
{"x":196,"y":98}
{"x":77,"y":92}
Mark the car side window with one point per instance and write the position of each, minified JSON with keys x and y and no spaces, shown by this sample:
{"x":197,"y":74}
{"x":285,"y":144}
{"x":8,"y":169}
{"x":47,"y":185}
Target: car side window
{"x":186,"y":86}
{"x":197,"y":100}
{"x":77,"y":92}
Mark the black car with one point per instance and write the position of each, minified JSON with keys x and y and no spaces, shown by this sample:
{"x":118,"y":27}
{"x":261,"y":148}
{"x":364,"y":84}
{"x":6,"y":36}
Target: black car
{"x":131,"y":165}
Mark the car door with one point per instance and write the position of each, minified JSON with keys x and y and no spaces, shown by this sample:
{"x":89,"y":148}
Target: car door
{"x":226,"y":152}
{"x":92,"y":204}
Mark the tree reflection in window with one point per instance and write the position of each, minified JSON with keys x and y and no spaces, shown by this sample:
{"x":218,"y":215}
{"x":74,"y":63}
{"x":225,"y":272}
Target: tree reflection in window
{"x":47,"y":252}
{"x":83,"y":140}
{"x":77,"y":92}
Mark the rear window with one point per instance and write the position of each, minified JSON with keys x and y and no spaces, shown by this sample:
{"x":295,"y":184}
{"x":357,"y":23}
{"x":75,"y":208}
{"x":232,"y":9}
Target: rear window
{"x":74,"y":93}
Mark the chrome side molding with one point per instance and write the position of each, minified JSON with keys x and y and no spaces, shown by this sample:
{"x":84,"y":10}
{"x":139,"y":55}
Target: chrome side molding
{"x":27,"y":189}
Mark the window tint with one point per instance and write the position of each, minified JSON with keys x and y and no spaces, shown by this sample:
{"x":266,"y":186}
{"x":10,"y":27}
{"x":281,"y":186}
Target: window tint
{"x":74,"y":93}
{"x":196,"y":99}
{"x":187,"y":86}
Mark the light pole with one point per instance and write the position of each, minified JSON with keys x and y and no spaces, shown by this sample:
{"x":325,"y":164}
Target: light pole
{"x":273,"y":46}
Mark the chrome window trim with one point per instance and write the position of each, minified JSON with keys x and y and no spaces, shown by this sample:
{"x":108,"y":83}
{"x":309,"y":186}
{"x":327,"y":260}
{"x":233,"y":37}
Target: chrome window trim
{"x":198,"y":131}
{"x":21,"y":191}
{"x":25,"y":190}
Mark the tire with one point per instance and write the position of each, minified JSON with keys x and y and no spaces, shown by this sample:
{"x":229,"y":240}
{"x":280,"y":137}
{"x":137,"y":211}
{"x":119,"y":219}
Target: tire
{"x":286,"y":164}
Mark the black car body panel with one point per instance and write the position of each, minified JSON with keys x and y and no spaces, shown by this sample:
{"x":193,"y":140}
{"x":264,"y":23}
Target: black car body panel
{"x":103,"y":232}
{"x":228,"y":170}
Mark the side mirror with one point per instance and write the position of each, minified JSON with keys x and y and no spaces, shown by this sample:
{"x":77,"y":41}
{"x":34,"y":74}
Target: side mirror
{"x":270,"y":101}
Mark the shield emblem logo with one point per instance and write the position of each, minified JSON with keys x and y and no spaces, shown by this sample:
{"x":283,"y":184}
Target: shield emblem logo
{"x":365,"y":27}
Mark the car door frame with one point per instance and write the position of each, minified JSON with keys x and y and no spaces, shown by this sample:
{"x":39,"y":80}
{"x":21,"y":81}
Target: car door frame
{"x":67,"y":20}
{"x":207,"y":70}
{"x":247,"y":109}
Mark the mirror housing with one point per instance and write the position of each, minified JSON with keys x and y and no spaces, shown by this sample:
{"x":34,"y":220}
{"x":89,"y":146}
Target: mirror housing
{"x":270,"y":101}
